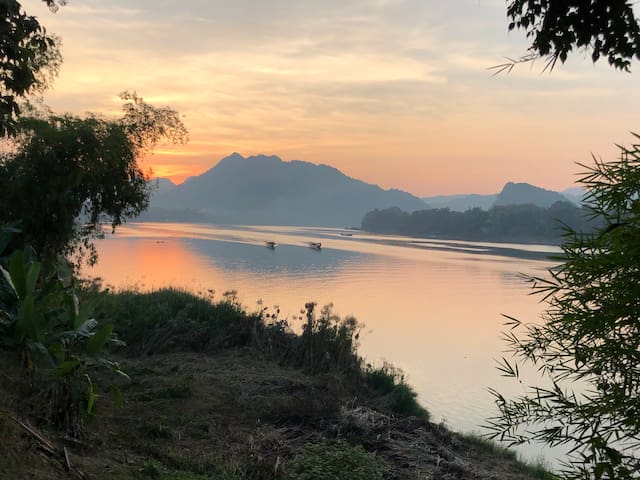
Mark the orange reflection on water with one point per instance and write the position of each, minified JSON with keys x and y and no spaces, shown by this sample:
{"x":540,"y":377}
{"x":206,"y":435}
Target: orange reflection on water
{"x":148,"y":264}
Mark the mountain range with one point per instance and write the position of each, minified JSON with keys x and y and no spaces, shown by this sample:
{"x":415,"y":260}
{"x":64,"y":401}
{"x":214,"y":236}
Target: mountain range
{"x":511,"y":194}
{"x":267,"y":190}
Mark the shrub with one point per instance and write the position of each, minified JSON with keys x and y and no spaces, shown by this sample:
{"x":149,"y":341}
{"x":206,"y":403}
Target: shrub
{"x":170,"y":319}
{"x":42,"y":321}
{"x":328,"y":343}
{"x":339,"y":461}
{"x":389,"y":382}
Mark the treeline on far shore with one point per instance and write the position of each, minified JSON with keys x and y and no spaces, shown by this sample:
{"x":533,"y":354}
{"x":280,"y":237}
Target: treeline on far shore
{"x":515,"y":223}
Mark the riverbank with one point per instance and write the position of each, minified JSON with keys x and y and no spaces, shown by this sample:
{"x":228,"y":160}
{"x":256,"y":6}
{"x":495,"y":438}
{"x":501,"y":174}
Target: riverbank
{"x":217,"y":393}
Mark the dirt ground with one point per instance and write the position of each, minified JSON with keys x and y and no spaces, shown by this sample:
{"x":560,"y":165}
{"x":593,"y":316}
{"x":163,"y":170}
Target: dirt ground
{"x":234,"y":415}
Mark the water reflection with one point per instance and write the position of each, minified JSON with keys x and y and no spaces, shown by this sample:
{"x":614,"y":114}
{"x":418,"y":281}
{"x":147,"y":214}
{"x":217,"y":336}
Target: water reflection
{"x":283,"y":259}
{"x":434,"y":312}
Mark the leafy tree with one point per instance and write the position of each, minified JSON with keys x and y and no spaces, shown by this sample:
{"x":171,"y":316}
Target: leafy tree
{"x":57,"y":167}
{"x":606,"y":28}
{"x":29,"y":59}
{"x":588,"y":347}
{"x":66,"y":167}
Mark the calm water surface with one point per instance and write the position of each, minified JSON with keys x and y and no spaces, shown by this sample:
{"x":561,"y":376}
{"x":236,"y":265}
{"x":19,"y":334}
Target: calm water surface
{"x":431,"y":307}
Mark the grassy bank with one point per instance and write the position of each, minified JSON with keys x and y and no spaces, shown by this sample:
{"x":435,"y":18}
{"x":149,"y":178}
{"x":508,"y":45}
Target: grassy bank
{"x":218,"y":393}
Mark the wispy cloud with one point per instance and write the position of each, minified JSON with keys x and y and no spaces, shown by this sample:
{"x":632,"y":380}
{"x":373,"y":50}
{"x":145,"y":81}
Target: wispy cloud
{"x":390,"y":90}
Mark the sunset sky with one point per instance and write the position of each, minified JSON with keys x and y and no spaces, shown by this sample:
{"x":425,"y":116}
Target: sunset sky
{"x":393,"y":92}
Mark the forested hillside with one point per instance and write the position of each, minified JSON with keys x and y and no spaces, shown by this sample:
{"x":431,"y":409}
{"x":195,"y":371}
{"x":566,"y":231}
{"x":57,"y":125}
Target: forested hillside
{"x":521,"y":223}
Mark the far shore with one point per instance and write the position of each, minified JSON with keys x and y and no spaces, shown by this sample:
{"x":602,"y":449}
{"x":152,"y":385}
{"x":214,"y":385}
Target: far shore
{"x":523,"y":248}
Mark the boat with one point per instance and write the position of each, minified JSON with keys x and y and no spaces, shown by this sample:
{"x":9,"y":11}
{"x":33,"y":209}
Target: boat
{"x":315,"y":245}
{"x":344,"y":234}
{"x":270,"y":245}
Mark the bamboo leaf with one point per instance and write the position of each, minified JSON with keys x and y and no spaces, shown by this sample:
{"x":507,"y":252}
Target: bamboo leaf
{"x":507,"y":370}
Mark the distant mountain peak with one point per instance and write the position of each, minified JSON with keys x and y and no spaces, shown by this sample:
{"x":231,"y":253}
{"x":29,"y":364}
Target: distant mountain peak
{"x":524,"y":193}
{"x":262,"y":156}
{"x":234,"y":157}
{"x":513,"y":193}
{"x":265,"y":189}
{"x":162,"y":184}
{"x":164,"y":181}
{"x":263,"y":160}
{"x":235,"y":160}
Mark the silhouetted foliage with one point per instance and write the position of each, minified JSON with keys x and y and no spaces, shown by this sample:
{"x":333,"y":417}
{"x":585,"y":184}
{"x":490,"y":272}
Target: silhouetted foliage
{"x":65,"y":167}
{"x":607,"y":28}
{"x":501,"y":223}
{"x":29,"y":58}
{"x":58,"y":343}
{"x":587,"y":348}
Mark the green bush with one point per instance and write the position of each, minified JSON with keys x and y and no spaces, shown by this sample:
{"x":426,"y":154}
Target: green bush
{"x":42,"y":321}
{"x":389,"y":382}
{"x":339,"y":461}
{"x":328,"y":343}
{"x":156,"y":471}
{"x":170,"y":319}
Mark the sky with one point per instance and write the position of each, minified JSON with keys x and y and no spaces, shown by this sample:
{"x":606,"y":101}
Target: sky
{"x":392,"y":92}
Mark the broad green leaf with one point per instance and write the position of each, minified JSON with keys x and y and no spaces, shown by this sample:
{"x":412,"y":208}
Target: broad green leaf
{"x":82,"y":314}
{"x":43,"y":351}
{"x":71,"y":310}
{"x":18,"y":273}
{"x":7,"y":277}
{"x":26,"y":324}
{"x":5,"y":238}
{"x":91,"y":396}
{"x":97,"y":342}
{"x":32,"y":277}
{"x":118,"y":398}
{"x":87,"y":328}
{"x":66,"y":367}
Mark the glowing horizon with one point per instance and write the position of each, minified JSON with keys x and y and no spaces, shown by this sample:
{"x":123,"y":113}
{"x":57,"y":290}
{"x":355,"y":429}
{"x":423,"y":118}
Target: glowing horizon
{"x":392,"y":92}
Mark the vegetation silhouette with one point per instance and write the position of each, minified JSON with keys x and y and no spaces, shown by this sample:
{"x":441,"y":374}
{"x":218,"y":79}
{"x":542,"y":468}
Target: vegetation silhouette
{"x":589,"y":337}
{"x":55,"y":169}
{"x":606,"y":28}
{"x":29,"y":60}
{"x":508,"y":223}
{"x":587,"y":347}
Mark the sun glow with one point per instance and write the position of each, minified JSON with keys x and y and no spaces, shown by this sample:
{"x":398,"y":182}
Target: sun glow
{"x":393,"y":93}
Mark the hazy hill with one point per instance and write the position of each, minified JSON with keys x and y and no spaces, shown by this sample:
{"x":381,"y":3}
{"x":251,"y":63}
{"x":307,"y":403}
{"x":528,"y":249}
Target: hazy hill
{"x":162,"y":185}
{"x":575,"y":194}
{"x":462,"y":203}
{"x":266,"y":190}
{"x":524,"y":193}
{"x":511,"y":194}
